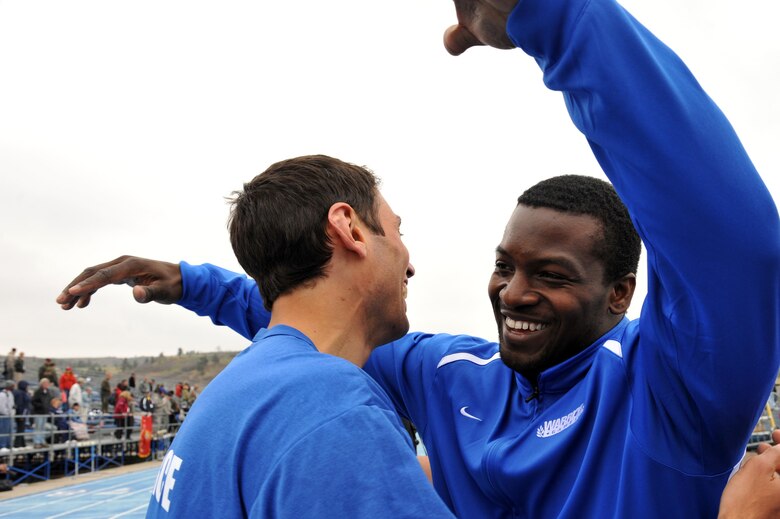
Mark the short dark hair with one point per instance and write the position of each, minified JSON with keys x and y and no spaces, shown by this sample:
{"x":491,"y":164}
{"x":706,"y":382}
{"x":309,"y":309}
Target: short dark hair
{"x":620,"y":249}
{"x":278,"y":222}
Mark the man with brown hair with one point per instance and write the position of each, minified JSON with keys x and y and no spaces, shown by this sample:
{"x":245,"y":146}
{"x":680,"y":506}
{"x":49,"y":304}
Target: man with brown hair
{"x":318,"y":438}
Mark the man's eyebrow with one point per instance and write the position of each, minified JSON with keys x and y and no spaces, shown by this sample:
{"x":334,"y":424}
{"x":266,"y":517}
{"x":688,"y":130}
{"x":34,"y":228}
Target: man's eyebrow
{"x":556,"y":260}
{"x":563,"y":262}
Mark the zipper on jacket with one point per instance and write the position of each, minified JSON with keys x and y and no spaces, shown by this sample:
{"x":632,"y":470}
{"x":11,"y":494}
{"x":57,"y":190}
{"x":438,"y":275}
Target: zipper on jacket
{"x":534,"y":394}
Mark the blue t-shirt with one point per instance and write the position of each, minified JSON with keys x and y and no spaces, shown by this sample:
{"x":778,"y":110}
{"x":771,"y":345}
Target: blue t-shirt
{"x":287,"y":432}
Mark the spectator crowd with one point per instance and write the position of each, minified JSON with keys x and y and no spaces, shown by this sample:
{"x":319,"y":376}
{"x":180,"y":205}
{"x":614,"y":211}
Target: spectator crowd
{"x":57,"y":408}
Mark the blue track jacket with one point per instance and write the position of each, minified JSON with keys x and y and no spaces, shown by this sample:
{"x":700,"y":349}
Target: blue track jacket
{"x":650,"y":420}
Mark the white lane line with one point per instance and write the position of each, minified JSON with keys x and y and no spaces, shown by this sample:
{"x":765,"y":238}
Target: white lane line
{"x":136,"y":509}
{"x":96,"y":503}
{"x":101,"y":488}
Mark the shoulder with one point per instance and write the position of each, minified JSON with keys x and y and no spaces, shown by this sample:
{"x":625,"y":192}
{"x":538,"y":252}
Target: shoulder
{"x":429,"y":350}
{"x":291,"y":378}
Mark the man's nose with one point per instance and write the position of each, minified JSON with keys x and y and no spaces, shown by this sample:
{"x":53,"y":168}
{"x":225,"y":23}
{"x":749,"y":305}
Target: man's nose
{"x":518,"y":292}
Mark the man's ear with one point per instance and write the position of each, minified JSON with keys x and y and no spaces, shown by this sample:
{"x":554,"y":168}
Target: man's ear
{"x":621,"y":294}
{"x":344,"y":227}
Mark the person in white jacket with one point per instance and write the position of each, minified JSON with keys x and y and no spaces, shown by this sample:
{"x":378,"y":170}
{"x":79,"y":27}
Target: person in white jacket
{"x":76,"y":396}
{"x":7,"y":409}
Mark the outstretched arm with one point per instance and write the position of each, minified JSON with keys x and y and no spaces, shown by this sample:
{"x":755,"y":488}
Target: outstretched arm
{"x":228,"y":298}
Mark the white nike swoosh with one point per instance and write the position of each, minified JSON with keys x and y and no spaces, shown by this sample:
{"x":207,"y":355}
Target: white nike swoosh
{"x":467,"y":415}
{"x":447,"y":359}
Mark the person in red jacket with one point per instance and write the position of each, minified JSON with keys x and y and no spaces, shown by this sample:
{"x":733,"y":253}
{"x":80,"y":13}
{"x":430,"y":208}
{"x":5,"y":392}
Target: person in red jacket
{"x":123,"y":417}
{"x":66,"y":381}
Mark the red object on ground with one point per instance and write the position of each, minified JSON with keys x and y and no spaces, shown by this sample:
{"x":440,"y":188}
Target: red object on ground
{"x":145,"y":441}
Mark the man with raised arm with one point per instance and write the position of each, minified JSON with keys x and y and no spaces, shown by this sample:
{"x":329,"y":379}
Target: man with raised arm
{"x":577,"y":411}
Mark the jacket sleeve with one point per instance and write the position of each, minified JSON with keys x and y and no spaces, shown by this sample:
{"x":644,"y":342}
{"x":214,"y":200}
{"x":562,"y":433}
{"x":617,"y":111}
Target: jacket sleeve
{"x":708,"y":333}
{"x":228,"y":298}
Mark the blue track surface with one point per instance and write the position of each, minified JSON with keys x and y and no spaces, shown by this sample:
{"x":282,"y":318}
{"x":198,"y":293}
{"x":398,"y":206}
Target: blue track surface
{"x":116,"y":496}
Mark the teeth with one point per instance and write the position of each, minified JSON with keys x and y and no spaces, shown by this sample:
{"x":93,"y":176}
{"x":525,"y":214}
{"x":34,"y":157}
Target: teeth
{"x":524,"y":325}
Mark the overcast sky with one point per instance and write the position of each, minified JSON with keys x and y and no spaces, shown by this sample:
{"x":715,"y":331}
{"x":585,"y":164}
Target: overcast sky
{"x":124,"y":125}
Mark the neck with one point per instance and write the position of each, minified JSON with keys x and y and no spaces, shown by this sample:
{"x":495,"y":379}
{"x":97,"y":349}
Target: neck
{"x":333,"y":322}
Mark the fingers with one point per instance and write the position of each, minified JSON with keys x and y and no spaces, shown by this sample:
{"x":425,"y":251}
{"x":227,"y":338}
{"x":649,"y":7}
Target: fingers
{"x":770,"y":456}
{"x":480,"y":22}
{"x":74,"y":294}
{"x":143,"y":294}
{"x":66,"y":301}
{"x":763,"y":447}
{"x":457,"y":39}
{"x":151,"y":281}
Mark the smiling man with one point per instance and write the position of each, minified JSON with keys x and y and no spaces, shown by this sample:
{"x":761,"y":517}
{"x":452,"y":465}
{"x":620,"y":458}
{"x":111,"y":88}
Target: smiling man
{"x":565,"y":272}
{"x":576,"y":411}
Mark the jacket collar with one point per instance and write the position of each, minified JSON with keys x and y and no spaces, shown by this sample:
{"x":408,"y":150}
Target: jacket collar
{"x":562,"y":377}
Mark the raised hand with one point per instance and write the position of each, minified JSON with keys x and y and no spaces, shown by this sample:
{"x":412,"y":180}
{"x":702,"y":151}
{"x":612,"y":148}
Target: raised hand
{"x":480,"y":22}
{"x":152,"y":280}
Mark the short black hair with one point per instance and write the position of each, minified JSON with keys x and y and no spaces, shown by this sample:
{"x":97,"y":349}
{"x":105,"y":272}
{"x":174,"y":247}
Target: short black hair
{"x":578,"y":194}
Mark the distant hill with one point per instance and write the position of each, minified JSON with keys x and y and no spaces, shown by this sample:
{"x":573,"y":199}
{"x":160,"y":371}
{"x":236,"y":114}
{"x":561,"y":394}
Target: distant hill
{"x":191,"y":367}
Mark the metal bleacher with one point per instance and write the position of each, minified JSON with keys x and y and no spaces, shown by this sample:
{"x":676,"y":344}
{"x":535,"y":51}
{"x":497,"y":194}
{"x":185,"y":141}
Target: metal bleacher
{"x":63,"y":454}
